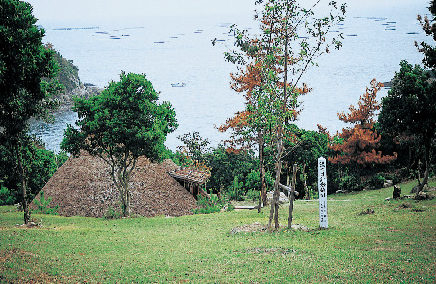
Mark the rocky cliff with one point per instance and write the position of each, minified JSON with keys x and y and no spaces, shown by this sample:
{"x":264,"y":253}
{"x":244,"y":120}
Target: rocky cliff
{"x":68,"y":76}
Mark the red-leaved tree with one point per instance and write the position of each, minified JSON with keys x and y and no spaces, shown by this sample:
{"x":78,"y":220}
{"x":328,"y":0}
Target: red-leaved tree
{"x":358,"y":144}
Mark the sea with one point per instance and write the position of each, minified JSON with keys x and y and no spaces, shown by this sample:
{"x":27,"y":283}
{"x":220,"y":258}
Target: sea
{"x":171,"y":42}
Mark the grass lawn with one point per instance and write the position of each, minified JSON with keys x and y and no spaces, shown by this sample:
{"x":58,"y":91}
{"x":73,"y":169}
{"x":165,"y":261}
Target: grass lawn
{"x":395,"y":244}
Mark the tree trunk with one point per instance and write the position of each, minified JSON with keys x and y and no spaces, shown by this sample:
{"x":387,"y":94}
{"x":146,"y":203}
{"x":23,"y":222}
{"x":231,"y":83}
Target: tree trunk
{"x":274,"y":212}
{"x":418,"y":172}
{"x":127,"y":193}
{"x":292,"y":195}
{"x":306,"y":190}
{"x":288,"y":177}
{"x":262,"y":199}
{"x":23,"y":178}
{"x":420,"y":187}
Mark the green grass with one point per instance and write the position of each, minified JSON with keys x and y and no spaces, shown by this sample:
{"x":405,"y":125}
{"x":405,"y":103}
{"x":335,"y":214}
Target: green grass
{"x":395,"y":244}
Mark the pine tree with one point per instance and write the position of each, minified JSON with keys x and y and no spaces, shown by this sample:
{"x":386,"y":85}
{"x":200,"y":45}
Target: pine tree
{"x":359,"y":143}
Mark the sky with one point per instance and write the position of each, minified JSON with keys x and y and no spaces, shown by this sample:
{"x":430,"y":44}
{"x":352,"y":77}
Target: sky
{"x":67,"y":10}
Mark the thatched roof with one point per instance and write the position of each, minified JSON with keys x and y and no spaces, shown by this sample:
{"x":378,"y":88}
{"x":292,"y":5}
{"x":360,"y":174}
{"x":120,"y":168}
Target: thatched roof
{"x":190,"y":175}
{"x":83,"y":187}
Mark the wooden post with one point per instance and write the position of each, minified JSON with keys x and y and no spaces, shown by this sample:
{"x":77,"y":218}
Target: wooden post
{"x":322,"y":190}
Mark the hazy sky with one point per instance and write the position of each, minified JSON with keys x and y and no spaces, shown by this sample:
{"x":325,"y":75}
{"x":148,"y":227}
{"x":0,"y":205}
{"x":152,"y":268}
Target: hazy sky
{"x":68,"y":11}
{"x":128,"y":9}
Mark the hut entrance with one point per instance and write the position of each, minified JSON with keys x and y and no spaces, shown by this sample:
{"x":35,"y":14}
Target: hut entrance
{"x":193,"y":180}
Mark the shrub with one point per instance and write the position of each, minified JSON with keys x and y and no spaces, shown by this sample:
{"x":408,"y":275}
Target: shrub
{"x":43,"y":206}
{"x":235,"y":191}
{"x":6,"y":197}
{"x":313,"y":191}
{"x":376,"y":181}
{"x":395,"y":176}
{"x":252,"y":195}
{"x":253,"y":179}
{"x":209,"y":205}
{"x":226,"y":165}
{"x":111,"y":213}
{"x":349,"y":183}
{"x":41,"y":164}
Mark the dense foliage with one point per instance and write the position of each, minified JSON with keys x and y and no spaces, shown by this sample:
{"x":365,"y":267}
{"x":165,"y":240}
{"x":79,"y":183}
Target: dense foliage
{"x":409,"y":112}
{"x":68,"y":73}
{"x":41,"y":164}
{"x":24,"y":62}
{"x":429,"y":27}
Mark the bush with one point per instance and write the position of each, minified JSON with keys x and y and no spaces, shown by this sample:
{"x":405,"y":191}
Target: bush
{"x":252,"y":195}
{"x":43,"y":206}
{"x":208,"y":205}
{"x":111,"y":213}
{"x":61,"y":158}
{"x":236,"y":191}
{"x":313,"y":191}
{"x":225,"y":165}
{"x":253,"y":180}
{"x":395,"y":177}
{"x":349,"y":183}
{"x":6,"y":197}
{"x":376,"y":181}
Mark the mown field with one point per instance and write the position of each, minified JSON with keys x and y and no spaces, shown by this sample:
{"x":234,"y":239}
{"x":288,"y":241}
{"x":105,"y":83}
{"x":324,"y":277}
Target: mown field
{"x":395,"y":244}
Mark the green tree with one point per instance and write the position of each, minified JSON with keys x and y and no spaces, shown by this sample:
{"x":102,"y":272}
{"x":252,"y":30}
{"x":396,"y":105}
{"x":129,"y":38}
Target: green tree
{"x":40,"y":164}
{"x":429,"y":27}
{"x":409,"y":111}
{"x":313,"y":144}
{"x":24,"y":63}
{"x":225,"y":165}
{"x":121,"y":124}
{"x":194,"y":146}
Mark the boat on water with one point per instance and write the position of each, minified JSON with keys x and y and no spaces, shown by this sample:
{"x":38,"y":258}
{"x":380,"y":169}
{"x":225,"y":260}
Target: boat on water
{"x":179,"y":85}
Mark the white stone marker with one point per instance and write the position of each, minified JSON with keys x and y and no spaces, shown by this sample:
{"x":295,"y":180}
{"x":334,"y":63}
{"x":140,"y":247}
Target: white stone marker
{"x":322,"y":191}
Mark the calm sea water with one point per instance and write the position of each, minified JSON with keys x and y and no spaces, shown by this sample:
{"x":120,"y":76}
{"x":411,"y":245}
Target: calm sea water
{"x":170,"y":41}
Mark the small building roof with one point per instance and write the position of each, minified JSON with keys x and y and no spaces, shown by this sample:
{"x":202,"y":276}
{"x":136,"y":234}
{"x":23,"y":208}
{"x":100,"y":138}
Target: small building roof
{"x":190,"y":175}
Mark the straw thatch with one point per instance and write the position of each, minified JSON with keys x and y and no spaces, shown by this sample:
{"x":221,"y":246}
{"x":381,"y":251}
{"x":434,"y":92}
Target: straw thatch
{"x":190,"y":175}
{"x":83,"y":187}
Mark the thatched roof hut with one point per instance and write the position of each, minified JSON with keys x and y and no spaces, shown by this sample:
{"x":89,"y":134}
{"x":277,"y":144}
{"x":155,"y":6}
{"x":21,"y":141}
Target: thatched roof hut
{"x":83,"y":187}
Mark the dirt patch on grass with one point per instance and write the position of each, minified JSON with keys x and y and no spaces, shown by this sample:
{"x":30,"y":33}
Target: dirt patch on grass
{"x":368,"y":211}
{"x":278,"y":250}
{"x":15,"y":262}
{"x":249,"y":228}
{"x":6,"y":255}
{"x":258,"y":227}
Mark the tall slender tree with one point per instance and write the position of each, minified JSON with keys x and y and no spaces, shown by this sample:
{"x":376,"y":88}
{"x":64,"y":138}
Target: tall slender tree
{"x":245,"y":132}
{"x":24,"y":63}
{"x":290,"y":40}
